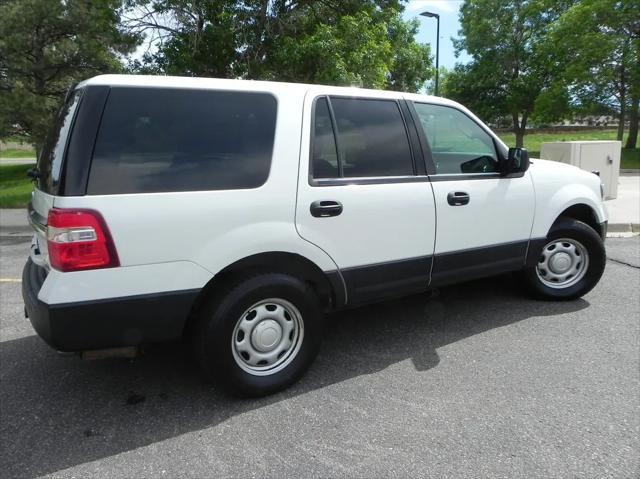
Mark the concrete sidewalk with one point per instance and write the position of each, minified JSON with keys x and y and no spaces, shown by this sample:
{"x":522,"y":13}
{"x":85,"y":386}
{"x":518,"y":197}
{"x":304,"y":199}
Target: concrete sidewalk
{"x":624,"y":212}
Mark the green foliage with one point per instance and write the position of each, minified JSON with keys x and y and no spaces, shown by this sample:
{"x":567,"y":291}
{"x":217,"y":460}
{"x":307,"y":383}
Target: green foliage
{"x":551,"y":104}
{"x":602,"y":39}
{"x":475,"y":86}
{"x":45,"y":47}
{"x":516,"y":64}
{"x":540,"y":60}
{"x":353,"y":51}
{"x":15,"y":186}
{"x":630,"y":158}
{"x":412,"y":65}
{"x":353,"y":42}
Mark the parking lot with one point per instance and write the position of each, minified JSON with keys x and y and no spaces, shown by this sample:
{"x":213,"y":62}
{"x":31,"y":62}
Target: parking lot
{"x":476,"y":381}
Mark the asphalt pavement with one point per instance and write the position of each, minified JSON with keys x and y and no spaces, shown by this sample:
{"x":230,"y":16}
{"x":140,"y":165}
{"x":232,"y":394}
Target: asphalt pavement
{"x":478,"y":381}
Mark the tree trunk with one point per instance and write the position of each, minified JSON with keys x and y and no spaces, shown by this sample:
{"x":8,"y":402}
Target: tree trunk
{"x":632,"y":139}
{"x":621,"y":116}
{"x":621,"y":124}
{"x":519,"y":128}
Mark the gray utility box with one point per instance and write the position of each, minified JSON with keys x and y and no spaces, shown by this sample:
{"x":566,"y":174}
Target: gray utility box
{"x":602,"y":156}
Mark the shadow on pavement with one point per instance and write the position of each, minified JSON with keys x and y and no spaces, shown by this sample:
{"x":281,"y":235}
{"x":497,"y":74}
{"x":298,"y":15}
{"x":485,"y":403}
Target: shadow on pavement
{"x":57,"y":412}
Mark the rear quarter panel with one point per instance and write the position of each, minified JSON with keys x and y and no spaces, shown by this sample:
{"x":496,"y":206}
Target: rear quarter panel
{"x":212,"y":229}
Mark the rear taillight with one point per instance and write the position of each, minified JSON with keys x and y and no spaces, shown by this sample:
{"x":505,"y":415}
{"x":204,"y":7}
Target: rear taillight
{"x":79,"y":239}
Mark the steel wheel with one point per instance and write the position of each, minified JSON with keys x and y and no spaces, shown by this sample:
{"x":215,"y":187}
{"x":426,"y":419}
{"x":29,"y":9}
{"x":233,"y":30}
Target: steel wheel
{"x":563,"y":263}
{"x":267,"y":337}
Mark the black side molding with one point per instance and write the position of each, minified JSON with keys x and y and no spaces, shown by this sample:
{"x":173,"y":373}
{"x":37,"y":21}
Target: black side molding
{"x":370,"y":283}
{"x":459,"y":266}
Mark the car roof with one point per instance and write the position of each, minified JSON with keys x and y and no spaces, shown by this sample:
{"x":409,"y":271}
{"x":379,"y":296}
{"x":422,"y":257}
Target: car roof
{"x":160,"y":81}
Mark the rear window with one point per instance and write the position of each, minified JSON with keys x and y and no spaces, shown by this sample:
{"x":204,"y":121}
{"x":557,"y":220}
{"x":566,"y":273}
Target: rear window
{"x":160,"y":140}
{"x":52,"y":155}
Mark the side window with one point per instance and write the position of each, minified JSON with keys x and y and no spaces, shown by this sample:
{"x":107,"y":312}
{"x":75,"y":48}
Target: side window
{"x":371,"y":138}
{"x":325,"y":155}
{"x":50,"y":161}
{"x":458,"y":144}
{"x":159,"y":140}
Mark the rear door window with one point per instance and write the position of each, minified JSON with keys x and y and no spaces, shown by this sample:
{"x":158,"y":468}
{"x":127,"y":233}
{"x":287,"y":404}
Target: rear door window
{"x":325,"y":153}
{"x":162,"y":140}
{"x":371,"y":138}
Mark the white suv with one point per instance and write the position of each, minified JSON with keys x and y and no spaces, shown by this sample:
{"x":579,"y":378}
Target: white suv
{"x":237,"y":212}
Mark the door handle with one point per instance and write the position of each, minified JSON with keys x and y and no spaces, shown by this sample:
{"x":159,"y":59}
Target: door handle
{"x":325,"y":208}
{"x":458,"y":198}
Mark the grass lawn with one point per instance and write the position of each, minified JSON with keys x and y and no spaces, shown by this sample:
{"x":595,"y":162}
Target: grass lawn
{"x":15,"y":186}
{"x":630,"y":158}
{"x":532,"y":142}
{"x":15,"y":153}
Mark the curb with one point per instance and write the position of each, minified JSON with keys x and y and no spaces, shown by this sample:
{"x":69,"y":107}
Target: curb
{"x":633,"y":228}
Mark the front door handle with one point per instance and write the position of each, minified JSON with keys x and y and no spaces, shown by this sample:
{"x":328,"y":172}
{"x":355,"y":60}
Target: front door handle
{"x":325,"y":208}
{"x":458,"y":198}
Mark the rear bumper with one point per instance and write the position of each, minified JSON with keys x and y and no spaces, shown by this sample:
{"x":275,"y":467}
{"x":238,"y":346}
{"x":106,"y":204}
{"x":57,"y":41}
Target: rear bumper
{"x":104,"y":323}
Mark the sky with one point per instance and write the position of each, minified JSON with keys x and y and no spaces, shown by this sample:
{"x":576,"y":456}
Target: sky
{"x":449,"y":26}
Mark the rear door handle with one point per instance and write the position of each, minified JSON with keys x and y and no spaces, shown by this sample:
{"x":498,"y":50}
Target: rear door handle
{"x":325,"y":208}
{"x":458,"y":198}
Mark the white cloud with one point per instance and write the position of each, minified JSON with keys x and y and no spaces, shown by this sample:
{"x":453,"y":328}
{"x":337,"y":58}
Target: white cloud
{"x":447,"y":6}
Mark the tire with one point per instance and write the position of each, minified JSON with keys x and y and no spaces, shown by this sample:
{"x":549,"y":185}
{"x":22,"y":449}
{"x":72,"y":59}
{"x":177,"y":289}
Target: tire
{"x":273,"y":316}
{"x":569,"y":242}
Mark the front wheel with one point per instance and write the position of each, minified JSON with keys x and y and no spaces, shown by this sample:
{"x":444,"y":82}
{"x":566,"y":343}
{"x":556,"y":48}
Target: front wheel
{"x":570,"y":264}
{"x":261,"y":335}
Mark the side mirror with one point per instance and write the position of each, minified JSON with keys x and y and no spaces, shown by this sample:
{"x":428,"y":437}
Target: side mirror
{"x":516,"y":163}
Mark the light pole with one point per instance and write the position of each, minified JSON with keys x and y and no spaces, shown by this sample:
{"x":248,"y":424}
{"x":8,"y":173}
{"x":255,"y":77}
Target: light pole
{"x":437,"y":17}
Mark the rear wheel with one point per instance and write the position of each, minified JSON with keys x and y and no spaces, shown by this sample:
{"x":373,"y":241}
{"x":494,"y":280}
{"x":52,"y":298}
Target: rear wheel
{"x":261,"y":335}
{"x":570,"y":264}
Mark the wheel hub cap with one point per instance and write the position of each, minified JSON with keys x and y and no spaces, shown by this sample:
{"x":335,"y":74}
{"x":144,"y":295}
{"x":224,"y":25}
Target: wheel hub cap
{"x":266,"y":335}
{"x":560,"y":262}
{"x":563,"y":263}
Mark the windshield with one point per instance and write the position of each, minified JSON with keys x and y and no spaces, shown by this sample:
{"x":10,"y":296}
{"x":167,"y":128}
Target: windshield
{"x":52,"y":155}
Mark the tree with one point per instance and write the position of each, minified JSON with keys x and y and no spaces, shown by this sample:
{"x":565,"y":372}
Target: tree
{"x":45,"y":47}
{"x":515,"y":65}
{"x":412,"y":65}
{"x":362,"y":42}
{"x":475,"y":87}
{"x":602,"y":41}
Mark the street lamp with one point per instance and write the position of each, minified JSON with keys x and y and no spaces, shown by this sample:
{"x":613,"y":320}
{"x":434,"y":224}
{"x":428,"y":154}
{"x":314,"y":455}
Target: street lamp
{"x":437,"y":17}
